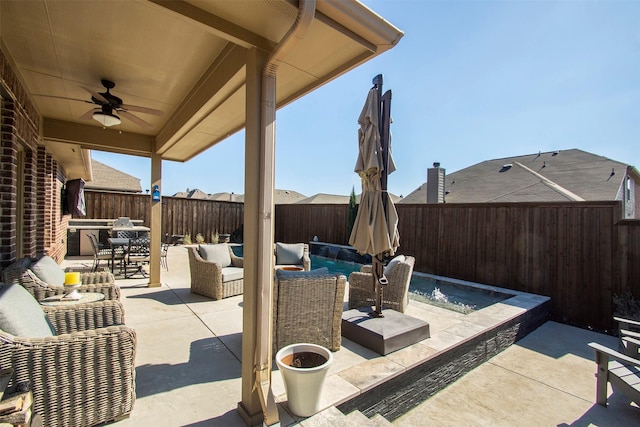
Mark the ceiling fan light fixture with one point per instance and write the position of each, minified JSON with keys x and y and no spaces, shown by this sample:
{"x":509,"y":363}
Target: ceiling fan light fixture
{"x":106,"y":119}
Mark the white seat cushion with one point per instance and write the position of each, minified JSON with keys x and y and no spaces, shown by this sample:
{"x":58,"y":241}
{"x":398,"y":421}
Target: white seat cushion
{"x":232,"y":273}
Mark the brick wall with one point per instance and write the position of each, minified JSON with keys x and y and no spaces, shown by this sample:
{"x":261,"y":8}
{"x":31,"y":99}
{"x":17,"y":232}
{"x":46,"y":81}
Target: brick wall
{"x":8,"y":183}
{"x":44,"y":226}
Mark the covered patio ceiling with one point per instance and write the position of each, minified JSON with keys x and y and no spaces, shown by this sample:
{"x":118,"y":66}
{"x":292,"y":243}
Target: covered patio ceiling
{"x":185,"y":58}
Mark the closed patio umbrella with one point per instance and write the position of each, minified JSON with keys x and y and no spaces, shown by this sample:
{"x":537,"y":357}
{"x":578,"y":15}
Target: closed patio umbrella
{"x":375,"y":231}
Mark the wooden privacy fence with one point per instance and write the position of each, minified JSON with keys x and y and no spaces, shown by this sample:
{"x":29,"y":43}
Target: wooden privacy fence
{"x":580,"y":254}
{"x":179,"y":215}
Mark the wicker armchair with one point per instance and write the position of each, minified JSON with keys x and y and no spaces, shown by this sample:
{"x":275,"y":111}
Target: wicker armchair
{"x":307,"y":308}
{"x":84,"y":375}
{"x":395,"y":295}
{"x":291,"y":255}
{"x":214,"y":279}
{"x":20,"y":272}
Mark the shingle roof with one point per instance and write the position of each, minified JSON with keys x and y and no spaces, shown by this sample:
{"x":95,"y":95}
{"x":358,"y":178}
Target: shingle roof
{"x":107,"y":178}
{"x":553,"y":176}
{"x":281,"y":196}
{"x":324,"y":199}
{"x":336,"y":199}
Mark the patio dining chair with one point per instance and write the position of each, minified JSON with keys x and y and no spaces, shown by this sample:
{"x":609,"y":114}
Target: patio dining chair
{"x":138,"y":254}
{"x":127,"y":234}
{"x":104,"y":254}
{"x":164,"y":250}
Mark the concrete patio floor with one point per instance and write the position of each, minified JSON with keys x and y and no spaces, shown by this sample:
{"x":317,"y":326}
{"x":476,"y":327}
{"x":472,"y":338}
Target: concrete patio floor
{"x":188,"y":366}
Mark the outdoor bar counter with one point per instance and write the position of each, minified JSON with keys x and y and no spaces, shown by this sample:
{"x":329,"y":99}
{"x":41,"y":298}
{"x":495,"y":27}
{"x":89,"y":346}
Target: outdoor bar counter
{"x":78,"y":231}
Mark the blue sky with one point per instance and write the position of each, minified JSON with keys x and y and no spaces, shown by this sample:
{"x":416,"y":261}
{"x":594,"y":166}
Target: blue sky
{"x":471,"y":81}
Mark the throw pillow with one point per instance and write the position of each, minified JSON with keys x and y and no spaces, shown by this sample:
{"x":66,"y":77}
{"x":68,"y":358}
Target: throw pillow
{"x":47,"y":270}
{"x":218,"y":253}
{"x":21,"y":315}
{"x":289,"y":253}
{"x":389,"y":267}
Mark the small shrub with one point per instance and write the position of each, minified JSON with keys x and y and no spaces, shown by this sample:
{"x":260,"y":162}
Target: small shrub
{"x":215,"y":237}
{"x":187,"y":239}
{"x":627,"y":306}
{"x":199,"y":238}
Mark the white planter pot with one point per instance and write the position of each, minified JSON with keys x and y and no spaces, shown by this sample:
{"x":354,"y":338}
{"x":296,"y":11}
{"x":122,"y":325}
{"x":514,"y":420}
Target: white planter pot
{"x":303,"y":384}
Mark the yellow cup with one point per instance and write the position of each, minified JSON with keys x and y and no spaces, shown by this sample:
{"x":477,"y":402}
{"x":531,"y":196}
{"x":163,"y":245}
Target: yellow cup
{"x":71,"y":278}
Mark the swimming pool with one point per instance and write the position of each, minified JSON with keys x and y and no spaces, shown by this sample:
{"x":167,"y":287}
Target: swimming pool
{"x":452,"y":294}
{"x":334,"y":265}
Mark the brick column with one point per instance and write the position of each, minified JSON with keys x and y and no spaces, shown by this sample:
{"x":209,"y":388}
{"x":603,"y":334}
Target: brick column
{"x":8,"y":183}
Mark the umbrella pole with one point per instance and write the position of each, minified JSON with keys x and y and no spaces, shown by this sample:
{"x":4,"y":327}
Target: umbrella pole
{"x":380,"y":281}
{"x":383,"y":103}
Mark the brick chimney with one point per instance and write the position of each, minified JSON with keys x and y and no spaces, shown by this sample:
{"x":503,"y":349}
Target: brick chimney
{"x":435,"y":184}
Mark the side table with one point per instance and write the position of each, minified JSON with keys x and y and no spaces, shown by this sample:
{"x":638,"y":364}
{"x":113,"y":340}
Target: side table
{"x":58,"y":300}
{"x":15,"y":409}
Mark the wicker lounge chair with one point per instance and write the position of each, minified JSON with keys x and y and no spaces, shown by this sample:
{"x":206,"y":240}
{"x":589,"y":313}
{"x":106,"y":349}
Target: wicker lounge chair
{"x":30,"y":273}
{"x":216,"y":272}
{"x":292,"y":255}
{"x":395,"y":295}
{"x":307,"y":308}
{"x":622,"y":371}
{"x":81,"y":373}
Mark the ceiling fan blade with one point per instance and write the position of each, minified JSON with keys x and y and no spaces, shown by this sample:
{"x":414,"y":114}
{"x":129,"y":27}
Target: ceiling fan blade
{"x":64,"y":97}
{"x":135,"y":119}
{"x":95,"y":94}
{"x":139,"y":109}
{"x":88,"y":115}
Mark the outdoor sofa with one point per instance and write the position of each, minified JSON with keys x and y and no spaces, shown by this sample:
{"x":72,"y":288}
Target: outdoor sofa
{"x":216,"y":272}
{"x":78,"y":360}
{"x":43,"y":278}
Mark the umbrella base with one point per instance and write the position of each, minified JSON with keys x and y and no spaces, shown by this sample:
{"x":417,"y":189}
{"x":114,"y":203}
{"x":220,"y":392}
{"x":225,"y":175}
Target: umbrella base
{"x":383,"y":334}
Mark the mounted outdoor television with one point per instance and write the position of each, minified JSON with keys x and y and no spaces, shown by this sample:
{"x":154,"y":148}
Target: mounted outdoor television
{"x":73,"y":201}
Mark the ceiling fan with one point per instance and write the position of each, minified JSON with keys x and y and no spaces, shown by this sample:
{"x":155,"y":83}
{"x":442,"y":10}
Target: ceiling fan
{"x":110,"y":108}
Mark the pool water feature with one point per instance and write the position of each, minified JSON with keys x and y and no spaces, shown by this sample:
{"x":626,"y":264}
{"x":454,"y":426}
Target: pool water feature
{"x":452,"y":294}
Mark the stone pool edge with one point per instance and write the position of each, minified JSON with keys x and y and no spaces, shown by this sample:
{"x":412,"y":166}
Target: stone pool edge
{"x":396,"y":394}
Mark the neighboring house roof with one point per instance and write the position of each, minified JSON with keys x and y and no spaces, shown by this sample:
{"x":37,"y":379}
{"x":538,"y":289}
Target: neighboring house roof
{"x":106,"y":178}
{"x":223,"y":197}
{"x":287,"y":197}
{"x":281,"y":196}
{"x":335,"y":199}
{"x":552,"y":176}
{"x":325,"y":199}
{"x":192,"y":194}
